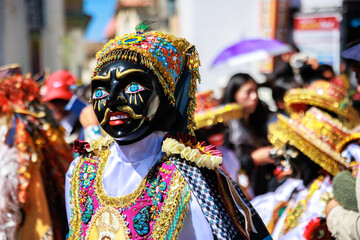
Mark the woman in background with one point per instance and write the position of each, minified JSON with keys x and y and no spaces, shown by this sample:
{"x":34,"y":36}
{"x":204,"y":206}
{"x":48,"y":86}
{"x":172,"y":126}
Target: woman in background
{"x":248,"y":135}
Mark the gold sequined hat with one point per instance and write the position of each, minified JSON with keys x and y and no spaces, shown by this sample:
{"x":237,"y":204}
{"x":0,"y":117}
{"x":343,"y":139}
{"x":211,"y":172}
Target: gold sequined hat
{"x":209,"y":112}
{"x":325,"y":95}
{"x":317,"y":135}
{"x":173,"y":60}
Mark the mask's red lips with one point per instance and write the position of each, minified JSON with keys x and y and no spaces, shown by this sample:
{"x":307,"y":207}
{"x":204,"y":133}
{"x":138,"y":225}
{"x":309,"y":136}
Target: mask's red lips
{"x":117,"y":118}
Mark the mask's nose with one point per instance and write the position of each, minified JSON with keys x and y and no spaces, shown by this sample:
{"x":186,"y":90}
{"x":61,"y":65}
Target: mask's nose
{"x":116,"y":95}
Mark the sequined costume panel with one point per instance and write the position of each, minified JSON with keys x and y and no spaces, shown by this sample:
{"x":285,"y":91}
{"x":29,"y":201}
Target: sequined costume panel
{"x":155,"y":210}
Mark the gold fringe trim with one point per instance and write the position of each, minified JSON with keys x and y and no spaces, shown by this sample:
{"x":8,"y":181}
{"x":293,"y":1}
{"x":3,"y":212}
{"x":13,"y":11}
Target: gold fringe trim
{"x":117,"y":202}
{"x":178,"y":190}
{"x":75,"y":220}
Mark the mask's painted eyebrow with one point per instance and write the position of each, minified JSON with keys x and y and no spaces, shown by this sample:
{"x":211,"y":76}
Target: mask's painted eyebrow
{"x":102,"y":78}
{"x":120,"y":75}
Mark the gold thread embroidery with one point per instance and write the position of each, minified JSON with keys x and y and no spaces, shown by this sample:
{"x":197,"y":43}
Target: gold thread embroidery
{"x":109,"y":221}
{"x":75,"y":220}
{"x":174,"y":208}
{"x":117,"y":202}
{"x":178,"y":187}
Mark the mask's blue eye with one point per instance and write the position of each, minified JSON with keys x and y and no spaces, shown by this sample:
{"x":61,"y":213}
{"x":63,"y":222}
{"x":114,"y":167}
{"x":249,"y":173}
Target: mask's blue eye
{"x":99,"y":94}
{"x":134,"y":88}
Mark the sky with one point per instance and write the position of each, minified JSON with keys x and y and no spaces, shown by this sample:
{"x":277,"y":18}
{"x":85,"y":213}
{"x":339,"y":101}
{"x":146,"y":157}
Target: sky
{"x":101,"y":12}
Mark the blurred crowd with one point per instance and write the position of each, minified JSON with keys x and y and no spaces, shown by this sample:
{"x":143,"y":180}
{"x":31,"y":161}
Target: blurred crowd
{"x":298,"y":165}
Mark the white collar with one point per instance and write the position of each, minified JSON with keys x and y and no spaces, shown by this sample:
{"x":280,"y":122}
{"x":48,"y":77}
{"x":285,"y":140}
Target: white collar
{"x":141,"y":150}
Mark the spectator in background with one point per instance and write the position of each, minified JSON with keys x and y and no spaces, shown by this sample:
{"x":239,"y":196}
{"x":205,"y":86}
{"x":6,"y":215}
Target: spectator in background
{"x":57,"y":95}
{"x":283,"y":68}
{"x":308,"y":71}
{"x":352,"y":54}
{"x":326,"y":72}
{"x":304,"y":66}
{"x":248,"y":135}
{"x":279,"y":88}
{"x":78,"y":120}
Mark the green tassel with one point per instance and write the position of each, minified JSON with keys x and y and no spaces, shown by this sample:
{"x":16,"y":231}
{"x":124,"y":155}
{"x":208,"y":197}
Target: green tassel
{"x":142,"y":27}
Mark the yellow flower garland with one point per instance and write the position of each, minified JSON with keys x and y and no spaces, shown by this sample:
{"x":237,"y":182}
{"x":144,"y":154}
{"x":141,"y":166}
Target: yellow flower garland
{"x":99,"y":144}
{"x":172,"y":146}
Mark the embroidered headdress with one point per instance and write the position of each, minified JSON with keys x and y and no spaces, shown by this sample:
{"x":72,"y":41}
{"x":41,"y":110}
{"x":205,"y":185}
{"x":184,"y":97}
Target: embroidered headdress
{"x":174,"y":61}
{"x":317,"y":135}
{"x":325,"y":95}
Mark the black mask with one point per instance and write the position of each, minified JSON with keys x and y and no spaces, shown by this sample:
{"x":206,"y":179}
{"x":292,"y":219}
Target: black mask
{"x":129,"y":103}
{"x":126,"y":99}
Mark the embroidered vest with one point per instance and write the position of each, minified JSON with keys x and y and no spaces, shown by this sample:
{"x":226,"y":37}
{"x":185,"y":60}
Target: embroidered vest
{"x":155,"y":210}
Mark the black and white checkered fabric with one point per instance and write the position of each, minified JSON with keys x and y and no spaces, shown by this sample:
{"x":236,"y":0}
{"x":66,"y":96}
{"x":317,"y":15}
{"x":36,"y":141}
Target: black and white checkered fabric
{"x":204,"y":187}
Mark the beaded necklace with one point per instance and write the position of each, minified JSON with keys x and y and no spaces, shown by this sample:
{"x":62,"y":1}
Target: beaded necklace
{"x":294,"y":215}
